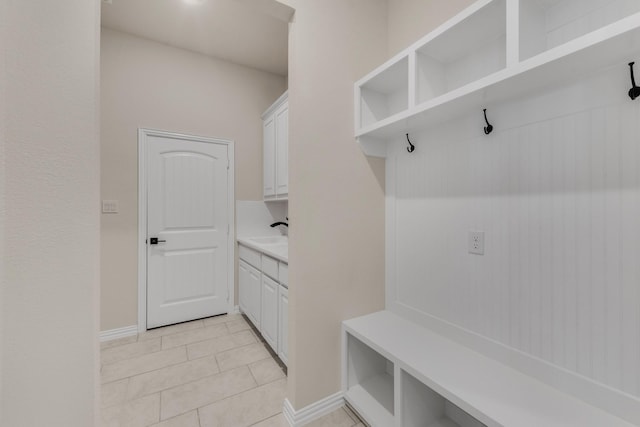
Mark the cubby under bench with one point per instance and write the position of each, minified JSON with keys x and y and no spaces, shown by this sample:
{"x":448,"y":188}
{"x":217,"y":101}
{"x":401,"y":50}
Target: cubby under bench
{"x":397,"y":373}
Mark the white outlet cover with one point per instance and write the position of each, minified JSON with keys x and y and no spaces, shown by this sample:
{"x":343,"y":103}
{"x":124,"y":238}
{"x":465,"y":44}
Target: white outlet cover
{"x":109,"y":206}
{"x":476,"y":242}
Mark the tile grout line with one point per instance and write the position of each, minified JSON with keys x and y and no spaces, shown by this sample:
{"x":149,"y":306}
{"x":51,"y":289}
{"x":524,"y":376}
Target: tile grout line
{"x":210,"y":403}
{"x":177,"y":385}
{"x":242,"y":392}
{"x":206,"y":339}
{"x":201,"y":321}
{"x":153,"y":370}
{"x":170,"y":348}
{"x":131,"y":357}
{"x":214,"y":355}
{"x":139,"y":335}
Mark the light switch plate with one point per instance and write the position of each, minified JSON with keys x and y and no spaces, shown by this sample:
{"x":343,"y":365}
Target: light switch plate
{"x":476,"y":242}
{"x":109,"y":206}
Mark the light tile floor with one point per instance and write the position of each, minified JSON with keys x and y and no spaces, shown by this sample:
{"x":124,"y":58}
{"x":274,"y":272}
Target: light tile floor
{"x":215,"y":372}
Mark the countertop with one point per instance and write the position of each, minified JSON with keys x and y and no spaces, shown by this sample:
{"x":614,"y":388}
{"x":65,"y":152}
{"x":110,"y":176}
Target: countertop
{"x":274,"y":246}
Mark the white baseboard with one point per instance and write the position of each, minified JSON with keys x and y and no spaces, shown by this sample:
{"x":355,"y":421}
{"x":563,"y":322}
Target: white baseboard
{"x":312,"y":412}
{"x":113,"y":334}
{"x":236,"y":310}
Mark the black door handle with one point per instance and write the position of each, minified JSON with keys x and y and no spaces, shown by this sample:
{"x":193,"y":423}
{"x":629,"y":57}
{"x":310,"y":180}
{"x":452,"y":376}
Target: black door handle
{"x":155,"y":241}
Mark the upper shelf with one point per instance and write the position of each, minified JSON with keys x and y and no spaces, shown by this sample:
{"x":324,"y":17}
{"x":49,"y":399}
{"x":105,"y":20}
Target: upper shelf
{"x":493,"y":51}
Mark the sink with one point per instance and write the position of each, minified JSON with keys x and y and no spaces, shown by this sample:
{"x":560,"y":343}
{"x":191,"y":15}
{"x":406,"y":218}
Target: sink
{"x":270,"y":240}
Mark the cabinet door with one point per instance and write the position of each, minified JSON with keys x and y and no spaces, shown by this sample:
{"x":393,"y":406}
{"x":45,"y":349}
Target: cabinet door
{"x":269,"y":155}
{"x":243,"y":284}
{"x":269,"y":320}
{"x":282,"y":150}
{"x":283,"y":325}
{"x":249,"y":292}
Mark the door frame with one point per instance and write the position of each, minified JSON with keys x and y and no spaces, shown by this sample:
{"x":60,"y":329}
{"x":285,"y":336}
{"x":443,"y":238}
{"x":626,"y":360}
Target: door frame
{"x":143,"y":141}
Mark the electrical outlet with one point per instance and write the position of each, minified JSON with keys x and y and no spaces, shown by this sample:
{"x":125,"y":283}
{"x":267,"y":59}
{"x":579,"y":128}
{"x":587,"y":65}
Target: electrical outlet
{"x":109,"y":206}
{"x":476,"y":242}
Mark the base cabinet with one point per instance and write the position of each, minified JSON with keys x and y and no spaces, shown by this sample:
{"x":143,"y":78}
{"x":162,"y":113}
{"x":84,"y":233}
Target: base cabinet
{"x":264,"y":297}
{"x":269,"y":319}
{"x":283,"y":325}
{"x":249,"y":283}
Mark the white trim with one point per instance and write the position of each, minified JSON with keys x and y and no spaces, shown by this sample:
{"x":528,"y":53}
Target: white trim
{"x":142,"y":230}
{"x":277,"y":103}
{"x":142,"y":216}
{"x":114,"y":334}
{"x":613,"y":401}
{"x":313,"y":411}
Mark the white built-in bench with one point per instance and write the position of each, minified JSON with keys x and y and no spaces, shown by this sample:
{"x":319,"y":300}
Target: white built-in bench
{"x":397,"y":373}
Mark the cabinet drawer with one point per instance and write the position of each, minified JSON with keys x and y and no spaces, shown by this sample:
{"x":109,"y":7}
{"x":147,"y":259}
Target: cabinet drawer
{"x":270,"y":267}
{"x":249,"y":255}
{"x":283,"y":274}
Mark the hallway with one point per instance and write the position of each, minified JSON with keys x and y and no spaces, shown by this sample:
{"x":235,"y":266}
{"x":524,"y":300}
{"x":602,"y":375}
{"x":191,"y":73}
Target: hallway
{"x":205,"y":373}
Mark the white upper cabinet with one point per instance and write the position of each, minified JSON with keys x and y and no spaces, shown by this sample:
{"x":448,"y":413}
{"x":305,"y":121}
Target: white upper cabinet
{"x":276,"y":150}
{"x":491,"y":52}
{"x":269,"y":154}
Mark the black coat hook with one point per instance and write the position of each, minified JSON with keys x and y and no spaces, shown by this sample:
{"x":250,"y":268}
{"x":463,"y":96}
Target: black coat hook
{"x":634,"y":92}
{"x":488,"y":128}
{"x":411,"y":148}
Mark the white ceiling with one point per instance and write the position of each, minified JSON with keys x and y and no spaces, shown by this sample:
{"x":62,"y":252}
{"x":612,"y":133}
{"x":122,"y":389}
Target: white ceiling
{"x":246,"y":32}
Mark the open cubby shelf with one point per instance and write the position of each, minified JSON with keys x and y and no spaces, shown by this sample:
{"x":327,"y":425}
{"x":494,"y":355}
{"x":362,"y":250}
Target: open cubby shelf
{"x":369,"y":382}
{"x":493,"y":51}
{"x":399,"y":374}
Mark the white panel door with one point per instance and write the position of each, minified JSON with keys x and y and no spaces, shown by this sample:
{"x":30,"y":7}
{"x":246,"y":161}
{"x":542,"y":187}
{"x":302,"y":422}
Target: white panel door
{"x":269,"y":156}
{"x":187,"y":186}
{"x":282,"y":150}
{"x":269,"y":314}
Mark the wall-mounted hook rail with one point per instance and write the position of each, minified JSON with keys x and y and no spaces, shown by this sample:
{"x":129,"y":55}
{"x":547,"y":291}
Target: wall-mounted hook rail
{"x":488,"y":128}
{"x":634,"y":92}
{"x":411,"y":148}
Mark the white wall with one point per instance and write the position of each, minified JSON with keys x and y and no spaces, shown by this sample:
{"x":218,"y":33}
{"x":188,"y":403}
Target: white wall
{"x":336,"y":193}
{"x":409,"y":20}
{"x":151,"y":85}
{"x":4,"y":35}
{"x":556,"y":189}
{"x":50,"y":284}
{"x":253,"y":218}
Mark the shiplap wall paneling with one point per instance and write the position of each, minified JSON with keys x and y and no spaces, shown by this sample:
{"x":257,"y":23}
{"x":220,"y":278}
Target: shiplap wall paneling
{"x":556,"y":189}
